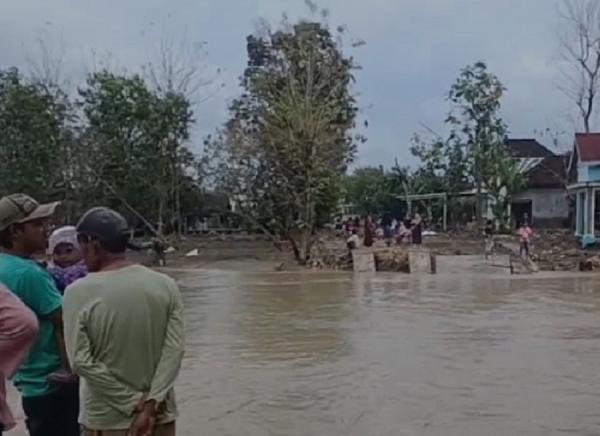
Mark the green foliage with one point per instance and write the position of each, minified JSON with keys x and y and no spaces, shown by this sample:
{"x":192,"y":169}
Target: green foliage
{"x":379,"y":192}
{"x":443,"y":165}
{"x":288,"y":141}
{"x":136,"y":142}
{"x":368,"y":189}
{"x":34,"y":124}
{"x":122,"y":144}
{"x":474,"y":155}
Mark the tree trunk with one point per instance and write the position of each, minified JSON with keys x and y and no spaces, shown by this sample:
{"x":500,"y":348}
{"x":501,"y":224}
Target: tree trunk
{"x":161,"y":208}
{"x":479,"y":201}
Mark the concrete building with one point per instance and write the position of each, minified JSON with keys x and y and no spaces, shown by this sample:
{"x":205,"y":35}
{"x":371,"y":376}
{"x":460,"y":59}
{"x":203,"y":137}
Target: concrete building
{"x":584,"y":183}
{"x":545,"y":198}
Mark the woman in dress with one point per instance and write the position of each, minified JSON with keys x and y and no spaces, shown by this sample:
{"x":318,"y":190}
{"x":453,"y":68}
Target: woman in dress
{"x":417,"y":230}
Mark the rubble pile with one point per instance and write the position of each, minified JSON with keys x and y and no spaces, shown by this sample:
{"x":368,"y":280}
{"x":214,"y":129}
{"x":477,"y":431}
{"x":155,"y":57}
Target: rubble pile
{"x":394,"y":259}
{"x":324,"y":254}
{"x":331,"y":254}
{"x":551,"y":250}
{"x":558,"y":250}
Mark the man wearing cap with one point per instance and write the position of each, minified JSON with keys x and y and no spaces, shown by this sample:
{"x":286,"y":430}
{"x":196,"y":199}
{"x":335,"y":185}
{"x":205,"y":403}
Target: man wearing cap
{"x":49,"y":392}
{"x":124,"y":335}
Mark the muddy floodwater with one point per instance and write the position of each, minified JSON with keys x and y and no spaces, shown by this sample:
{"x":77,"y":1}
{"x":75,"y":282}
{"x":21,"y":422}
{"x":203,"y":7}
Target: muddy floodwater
{"x":336,"y":354}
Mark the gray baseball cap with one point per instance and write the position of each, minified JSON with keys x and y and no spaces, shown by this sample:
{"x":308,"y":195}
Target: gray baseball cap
{"x":108,"y":227}
{"x":21,"y":208}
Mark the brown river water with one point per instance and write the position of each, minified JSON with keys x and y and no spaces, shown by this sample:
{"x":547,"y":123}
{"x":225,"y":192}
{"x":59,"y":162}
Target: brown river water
{"x":336,"y":354}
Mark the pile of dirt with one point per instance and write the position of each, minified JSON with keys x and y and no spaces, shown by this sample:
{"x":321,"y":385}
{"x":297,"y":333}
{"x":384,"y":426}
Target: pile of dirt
{"x":393,"y":259}
{"x":557,"y":250}
{"x":327,"y":254}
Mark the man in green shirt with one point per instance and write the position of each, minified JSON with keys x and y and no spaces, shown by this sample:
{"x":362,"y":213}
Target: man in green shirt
{"x":124,"y":335}
{"x":49,"y":392}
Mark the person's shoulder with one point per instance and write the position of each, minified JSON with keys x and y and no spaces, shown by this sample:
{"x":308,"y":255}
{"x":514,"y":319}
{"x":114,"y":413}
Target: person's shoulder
{"x":15,"y":264}
{"x":150,"y":274}
{"x":81,"y":284}
{"x":30,"y":271}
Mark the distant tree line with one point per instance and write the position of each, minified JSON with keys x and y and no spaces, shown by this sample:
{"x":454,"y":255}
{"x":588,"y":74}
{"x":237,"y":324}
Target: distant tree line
{"x":118,"y":142}
{"x":473,"y":156}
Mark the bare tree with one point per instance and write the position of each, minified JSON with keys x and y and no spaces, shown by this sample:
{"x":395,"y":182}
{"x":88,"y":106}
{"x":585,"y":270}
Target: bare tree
{"x":580,"y":51}
{"x":180,"y":66}
{"x":46,"y":62}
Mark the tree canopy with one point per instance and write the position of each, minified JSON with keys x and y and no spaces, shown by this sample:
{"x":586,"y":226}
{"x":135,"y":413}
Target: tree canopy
{"x":289,"y":138}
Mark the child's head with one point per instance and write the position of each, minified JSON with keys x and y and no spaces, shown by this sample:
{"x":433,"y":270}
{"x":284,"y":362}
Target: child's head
{"x":64,"y":247}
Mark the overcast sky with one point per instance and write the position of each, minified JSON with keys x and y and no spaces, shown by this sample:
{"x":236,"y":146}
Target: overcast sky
{"x":414,"y":51}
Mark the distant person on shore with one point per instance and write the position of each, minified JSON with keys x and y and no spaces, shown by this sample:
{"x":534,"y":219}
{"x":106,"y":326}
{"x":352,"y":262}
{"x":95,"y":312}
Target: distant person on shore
{"x":402,"y":233}
{"x":124,"y":332}
{"x":417,"y":229}
{"x":488,"y":233}
{"x":67,"y":264}
{"x":348,"y":227}
{"x":369,"y":236}
{"x":353,"y":241}
{"x":49,"y":392}
{"x":159,"y":248}
{"x":18,"y":330}
{"x":525,"y":235}
{"x":388,"y":234}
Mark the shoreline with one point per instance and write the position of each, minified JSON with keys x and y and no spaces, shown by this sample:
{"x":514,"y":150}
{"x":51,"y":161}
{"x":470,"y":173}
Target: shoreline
{"x":544,"y":275}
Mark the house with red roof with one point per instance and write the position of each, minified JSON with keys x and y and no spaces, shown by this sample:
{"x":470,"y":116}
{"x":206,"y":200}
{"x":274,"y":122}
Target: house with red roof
{"x":584,"y":183}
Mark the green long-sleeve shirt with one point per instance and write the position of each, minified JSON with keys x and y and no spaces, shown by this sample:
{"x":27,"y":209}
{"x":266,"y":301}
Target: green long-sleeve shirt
{"x":124,"y":337}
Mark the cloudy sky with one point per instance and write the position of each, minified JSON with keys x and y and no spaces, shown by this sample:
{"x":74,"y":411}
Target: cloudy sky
{"x":414,"y":50}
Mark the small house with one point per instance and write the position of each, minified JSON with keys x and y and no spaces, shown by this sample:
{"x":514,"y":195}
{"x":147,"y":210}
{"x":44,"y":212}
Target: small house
{"x":584,"y":182}
{"x":544,"y":197}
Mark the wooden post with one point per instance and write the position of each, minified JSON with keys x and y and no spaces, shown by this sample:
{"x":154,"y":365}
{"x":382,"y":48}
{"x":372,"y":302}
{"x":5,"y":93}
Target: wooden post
{"x":429,"y":211}
{"x":445,"y":200}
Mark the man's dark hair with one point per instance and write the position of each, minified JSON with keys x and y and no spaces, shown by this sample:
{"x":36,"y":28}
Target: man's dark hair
{"x":6,"y":236}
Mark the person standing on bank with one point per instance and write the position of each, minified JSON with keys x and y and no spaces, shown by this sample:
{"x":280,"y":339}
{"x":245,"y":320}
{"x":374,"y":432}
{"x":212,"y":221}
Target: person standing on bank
{"x":124,"y":335}
{"x":369,"y":236}
{"x":48,"y":389}
{"x":417,"y":229}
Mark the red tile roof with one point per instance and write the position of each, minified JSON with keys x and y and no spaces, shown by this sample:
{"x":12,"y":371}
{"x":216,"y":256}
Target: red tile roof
{"x":588,"y":146}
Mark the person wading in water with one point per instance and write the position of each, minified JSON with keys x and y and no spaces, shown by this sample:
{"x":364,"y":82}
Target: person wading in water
{"x":48,"y":389}
{"x":124,"y":334}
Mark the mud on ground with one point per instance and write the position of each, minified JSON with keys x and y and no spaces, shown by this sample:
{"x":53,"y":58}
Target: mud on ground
{"x":552,"y":250}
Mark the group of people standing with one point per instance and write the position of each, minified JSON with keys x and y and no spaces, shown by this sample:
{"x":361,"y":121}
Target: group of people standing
{"x":92,"y":342}
{"x":409,"y":230}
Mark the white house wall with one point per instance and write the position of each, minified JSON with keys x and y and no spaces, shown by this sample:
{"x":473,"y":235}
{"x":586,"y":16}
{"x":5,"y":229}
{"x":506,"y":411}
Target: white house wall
{"x":547,"y":204}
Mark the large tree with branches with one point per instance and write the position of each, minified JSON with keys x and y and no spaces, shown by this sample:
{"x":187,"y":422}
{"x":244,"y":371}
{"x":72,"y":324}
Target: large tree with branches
{"x":289,"y":138}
